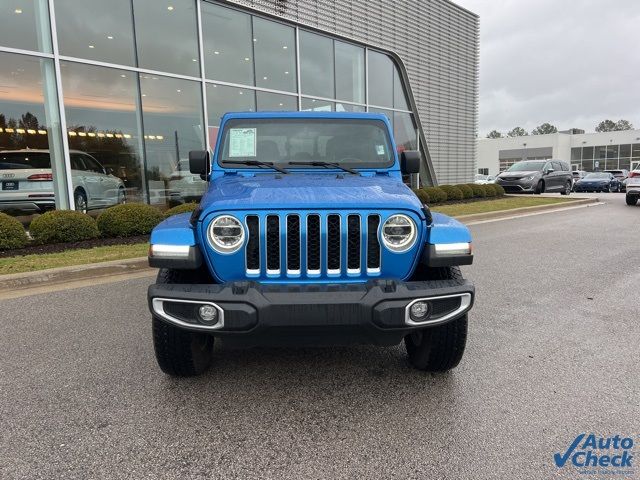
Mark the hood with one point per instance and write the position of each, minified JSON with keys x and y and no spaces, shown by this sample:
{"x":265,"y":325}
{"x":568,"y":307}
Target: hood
{"x":308,"y":191}
{"x":506,"y":175}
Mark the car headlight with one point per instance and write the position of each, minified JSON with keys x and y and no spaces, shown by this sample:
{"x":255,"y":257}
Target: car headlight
{"x":226,"y":234}
{"x":529,"y":178}
{"x":399,"y":233}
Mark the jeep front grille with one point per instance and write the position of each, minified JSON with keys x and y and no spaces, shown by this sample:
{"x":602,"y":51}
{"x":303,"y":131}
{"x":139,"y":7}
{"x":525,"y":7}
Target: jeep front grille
{"x":328,"y":244}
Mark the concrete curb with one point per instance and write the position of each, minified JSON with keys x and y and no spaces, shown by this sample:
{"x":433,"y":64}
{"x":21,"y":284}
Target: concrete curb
{"x":54,"y":276}
{"x":16,"y":284}
{"x":514,"y":212}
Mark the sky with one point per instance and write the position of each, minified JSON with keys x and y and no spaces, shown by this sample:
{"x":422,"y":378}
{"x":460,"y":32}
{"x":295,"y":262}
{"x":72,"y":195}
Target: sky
{"x":569,"y":63}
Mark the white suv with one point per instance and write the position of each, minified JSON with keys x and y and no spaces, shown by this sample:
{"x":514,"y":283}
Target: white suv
{"x":27,"y":182}
{"x":633,"y":186}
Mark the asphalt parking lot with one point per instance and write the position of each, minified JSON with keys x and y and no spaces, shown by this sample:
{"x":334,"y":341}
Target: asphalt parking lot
{"x":552,"y":352}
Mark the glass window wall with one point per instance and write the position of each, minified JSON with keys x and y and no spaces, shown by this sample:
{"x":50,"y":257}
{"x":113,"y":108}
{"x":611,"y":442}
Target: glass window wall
{"x":316,"y":65}
{"x":24,"y":24}
{"x":350,"y":83}
{"x":173,"y":125}
{"x":137,"y":126}
{"x":103,"y":120}
{"x":30,"y":136}
{"x":274,"y":46}
{"x":167,"y":36}
{"x":228,"y":45}
{"x":381,"y":74}
{"x":96,"y":30}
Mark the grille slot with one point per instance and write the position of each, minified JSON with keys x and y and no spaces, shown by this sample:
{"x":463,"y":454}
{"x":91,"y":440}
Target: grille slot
{"x":313,"y":244}
{"x":252,"y":253}
{"x":293,"y":244}
{"x":333,"y":243}
{"x":353,"y":243}
{"x":373,"y":245}
{"x":273,"y":244}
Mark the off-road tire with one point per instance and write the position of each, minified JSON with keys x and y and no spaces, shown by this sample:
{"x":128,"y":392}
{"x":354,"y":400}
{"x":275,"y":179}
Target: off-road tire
{"x":439,"y":348}
{"x":181,"y":353}
{"x":631,"y":200}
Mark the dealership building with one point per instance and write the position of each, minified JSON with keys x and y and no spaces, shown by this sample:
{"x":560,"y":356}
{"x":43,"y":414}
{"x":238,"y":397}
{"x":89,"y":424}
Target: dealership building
{"x":137,"y":84}
{"x":584,"y":151}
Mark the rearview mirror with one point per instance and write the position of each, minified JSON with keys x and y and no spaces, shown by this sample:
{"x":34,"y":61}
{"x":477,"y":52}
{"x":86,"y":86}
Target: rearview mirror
{"x":410,"y":161}
{"x":199,"y":163}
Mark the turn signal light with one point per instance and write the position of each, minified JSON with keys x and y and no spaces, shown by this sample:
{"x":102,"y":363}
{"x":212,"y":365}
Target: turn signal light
{"x":40,"y":177}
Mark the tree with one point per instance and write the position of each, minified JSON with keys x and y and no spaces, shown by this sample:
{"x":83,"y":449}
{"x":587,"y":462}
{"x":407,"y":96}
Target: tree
{"x":517,"y":132}
{"x":623,"y":125}
{"x":544,"y":129}
{"x":606,"y":126}
{"x":494,"y":134}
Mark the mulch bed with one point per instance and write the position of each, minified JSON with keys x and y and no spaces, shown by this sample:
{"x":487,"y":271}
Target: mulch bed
{"x":62,"y":247}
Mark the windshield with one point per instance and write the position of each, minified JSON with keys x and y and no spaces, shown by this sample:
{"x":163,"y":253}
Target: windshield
{"x":596,"y":176}
{"x":23,"y":160}
{"x":348,"y":142}
{"x":481,"y":177}
{"x":526,"y":167}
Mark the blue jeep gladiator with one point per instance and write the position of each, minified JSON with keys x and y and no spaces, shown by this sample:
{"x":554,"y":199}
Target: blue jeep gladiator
{"x":307,"y":235}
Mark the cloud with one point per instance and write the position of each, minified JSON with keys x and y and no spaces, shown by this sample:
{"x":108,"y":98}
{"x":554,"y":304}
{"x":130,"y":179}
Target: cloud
{"x":569,"y":63}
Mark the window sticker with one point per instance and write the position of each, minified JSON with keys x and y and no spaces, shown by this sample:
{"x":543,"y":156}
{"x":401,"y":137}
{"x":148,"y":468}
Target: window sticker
{"x":380,"y":149}
{"x":242,"y":142}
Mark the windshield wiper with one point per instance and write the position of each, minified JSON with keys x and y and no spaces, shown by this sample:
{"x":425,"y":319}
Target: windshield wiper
{"x":320,"y":163}
{"x":257,"y":163}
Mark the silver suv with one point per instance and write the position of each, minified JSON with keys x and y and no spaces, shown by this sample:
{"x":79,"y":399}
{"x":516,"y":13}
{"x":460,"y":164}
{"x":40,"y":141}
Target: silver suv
{"x":27,"y":182}
{"x":633,"y":186}
{"x":537,"y":176}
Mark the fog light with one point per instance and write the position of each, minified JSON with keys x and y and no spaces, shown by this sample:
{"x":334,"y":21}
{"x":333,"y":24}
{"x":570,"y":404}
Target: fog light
{"x":419,"y":311}
{"x":208,"y":313}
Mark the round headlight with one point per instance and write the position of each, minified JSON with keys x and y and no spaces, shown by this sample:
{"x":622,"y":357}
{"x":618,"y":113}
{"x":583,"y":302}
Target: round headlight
{"x":399,"y":233}
{"x":226,"y":234}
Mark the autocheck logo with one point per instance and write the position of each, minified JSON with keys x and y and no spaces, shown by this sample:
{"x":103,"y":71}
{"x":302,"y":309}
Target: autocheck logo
{"x":601,"y":455}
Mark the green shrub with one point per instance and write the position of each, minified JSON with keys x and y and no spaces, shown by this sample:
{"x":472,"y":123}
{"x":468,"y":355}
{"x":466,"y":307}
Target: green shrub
{"x":58,"y":226}
{"x":489,"y":190}
{"x":436,"y":194}
{"x":478,"y":191}
{"x":184,"y":208}
{"x":466,"y":190}
{"x":453,"y":192}
{"x":12,"y":234}
{"x":422,"y":195}
{"x":499,"y":190}
{"x":128,"y":220}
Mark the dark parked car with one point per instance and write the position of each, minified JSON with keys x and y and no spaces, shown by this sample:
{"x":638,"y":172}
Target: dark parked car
{"x":578,"y":175}
{"x":537,"y":176}
{"x":598,"y":182}
{"x":621,"y":175}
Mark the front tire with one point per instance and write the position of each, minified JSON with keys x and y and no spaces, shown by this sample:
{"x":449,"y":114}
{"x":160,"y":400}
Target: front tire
{"x":80,"y":200}
{"x":631,"y":201}
{"x":440,"y":348}
{"x":539,"y":188}
{"x":180,"y":353}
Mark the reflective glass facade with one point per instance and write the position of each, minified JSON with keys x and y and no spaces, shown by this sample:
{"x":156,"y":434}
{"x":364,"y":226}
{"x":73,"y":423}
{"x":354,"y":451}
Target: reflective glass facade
{"x":136,"y":84}
{"x":606,"y":157}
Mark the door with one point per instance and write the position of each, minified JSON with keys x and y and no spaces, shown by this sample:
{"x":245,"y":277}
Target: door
{"x":93,"y":179}
{"x":550,"y":178}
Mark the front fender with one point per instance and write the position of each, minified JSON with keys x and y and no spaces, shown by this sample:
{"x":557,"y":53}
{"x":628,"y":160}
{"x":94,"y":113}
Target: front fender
{"x":173,"y":244}
{"x":448,"y":243}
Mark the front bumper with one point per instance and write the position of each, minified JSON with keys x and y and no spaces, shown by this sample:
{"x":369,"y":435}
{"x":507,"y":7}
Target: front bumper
{"x":297,"y":314}
{"x":517,"y":186}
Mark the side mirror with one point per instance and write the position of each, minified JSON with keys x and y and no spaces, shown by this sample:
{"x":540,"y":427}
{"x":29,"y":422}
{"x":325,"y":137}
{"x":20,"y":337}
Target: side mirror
{"x":549,"y":170}
{"x":410,"y":161}
{"x":199,"y":163}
